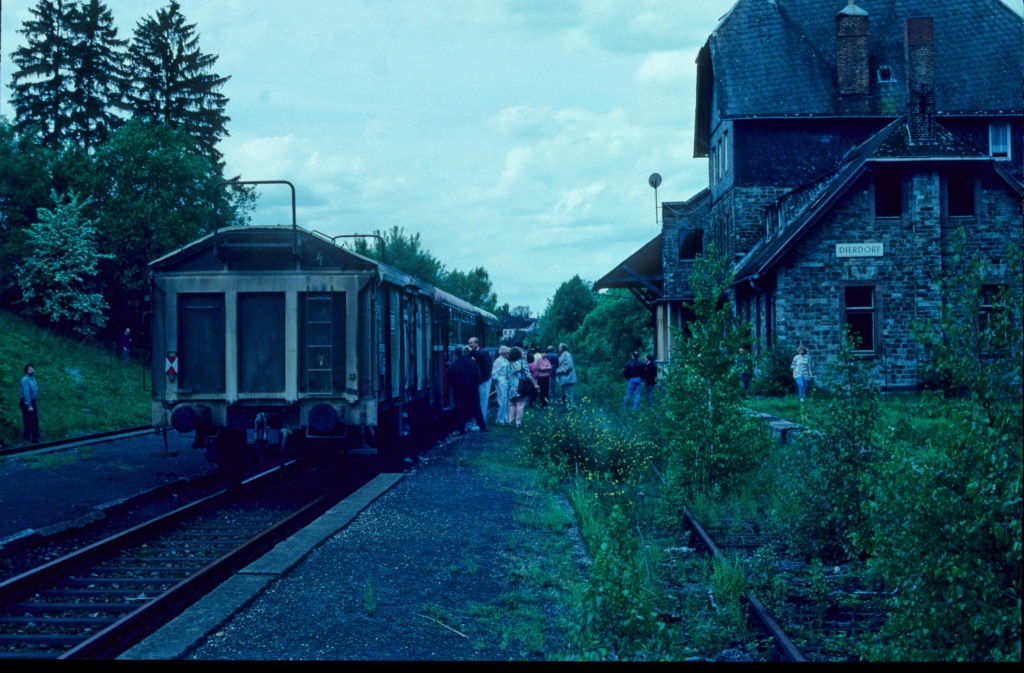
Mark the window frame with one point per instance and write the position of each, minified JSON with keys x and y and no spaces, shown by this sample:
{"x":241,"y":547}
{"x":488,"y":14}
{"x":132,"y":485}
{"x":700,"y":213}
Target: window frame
{"x":968,"y":181}
{"x":879,"y":176}
{"x":871,"y":310}
{"x":1004,"y":131}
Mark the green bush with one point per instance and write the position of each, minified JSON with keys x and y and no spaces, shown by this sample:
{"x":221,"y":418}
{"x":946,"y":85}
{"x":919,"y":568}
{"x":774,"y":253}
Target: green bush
{"x":618,"y":618}
{"x":825,"y":477}
{"x":585,"y":442}
{"x":947,"y":521}
{"x":774,"y":378}
{"x":710,"y":441}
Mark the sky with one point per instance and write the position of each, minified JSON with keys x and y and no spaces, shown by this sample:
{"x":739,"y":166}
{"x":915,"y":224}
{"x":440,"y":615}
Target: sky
{"x":517,"y":135}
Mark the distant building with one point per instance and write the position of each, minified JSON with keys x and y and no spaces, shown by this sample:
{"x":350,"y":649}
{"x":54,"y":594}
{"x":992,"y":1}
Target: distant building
{"x":515,"y":327}
{"x":846,"y":147}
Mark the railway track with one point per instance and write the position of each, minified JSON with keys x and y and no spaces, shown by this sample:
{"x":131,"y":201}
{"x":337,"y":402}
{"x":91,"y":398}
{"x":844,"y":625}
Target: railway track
{"x":101,"y":599}
{"x":74,"y":442}
{"x":820,"y":615}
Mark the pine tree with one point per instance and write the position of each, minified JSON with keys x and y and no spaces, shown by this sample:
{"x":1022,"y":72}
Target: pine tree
{"x":98,"y":74}
{"x":42,"y":85}
{"x":172,"y":82}
{"x":70,"y":74}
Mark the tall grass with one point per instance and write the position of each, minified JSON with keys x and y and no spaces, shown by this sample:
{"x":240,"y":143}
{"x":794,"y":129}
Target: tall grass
{"x":83,"y":388}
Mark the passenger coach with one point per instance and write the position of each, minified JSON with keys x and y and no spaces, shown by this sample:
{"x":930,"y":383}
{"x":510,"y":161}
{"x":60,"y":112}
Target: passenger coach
{"x":274,"y":338}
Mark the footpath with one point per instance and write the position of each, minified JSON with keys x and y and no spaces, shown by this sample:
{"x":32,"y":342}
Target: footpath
{"x":414,"y":566}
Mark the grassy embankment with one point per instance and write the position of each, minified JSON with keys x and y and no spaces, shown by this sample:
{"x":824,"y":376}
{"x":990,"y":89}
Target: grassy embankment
{"x":83,"y":387}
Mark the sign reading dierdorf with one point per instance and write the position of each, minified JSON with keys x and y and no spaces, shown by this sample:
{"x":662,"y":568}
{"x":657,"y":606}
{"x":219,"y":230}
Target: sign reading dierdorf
{"x":858,"y":249}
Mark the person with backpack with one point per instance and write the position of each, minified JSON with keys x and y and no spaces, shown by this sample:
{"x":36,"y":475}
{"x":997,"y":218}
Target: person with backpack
{"x":520,"y":386}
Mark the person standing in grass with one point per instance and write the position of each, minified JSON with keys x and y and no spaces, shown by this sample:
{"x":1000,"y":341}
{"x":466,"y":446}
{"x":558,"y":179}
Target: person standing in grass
{"x":744,"y":366}
{"x":566,"y":374}
{"x":126,"y":345}
{"x":650,"y":377}
{"x":633,"y":373}
{"x":29,"y":403}
{"x":801,"y":367}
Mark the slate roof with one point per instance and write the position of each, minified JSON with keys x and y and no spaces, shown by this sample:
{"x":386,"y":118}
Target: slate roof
{"x":775,"y":58}
{"x":641,"y":270}
{"x":888,"y":145}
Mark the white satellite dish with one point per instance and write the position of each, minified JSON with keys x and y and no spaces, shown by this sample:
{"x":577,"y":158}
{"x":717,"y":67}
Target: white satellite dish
{"x":654,"y":180}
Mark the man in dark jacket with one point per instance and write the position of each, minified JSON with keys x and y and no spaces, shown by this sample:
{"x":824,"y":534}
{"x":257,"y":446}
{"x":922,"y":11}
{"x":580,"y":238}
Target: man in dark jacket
{"x":650,"y":377}
{"x":633,"y":373}
{"x":464,"y":375}
{"x":483,"y":361}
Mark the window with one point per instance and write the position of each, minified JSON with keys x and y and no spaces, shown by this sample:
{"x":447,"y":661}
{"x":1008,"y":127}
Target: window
{"x":859,"y":310}
{"x":988,"y":305}
{"x":725,"y":154}
{"x":999,"y":140}
{"x":885,"y":74}
{"x":888,"y":192}
{"x":960,"y":194}
{"x":691,"y":244}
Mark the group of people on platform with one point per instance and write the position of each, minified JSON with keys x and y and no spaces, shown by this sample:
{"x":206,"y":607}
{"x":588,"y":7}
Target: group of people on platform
{"x":517,"y":375}
{"x":519,"y":378}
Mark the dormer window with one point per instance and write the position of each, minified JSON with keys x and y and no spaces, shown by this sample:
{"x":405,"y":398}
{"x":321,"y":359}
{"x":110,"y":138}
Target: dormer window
{"x":999,"y":140}
{"x":885,"y":74}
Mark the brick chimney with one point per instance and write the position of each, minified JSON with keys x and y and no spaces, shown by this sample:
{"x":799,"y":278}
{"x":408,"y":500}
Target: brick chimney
{"x":919,"y":38}
{"x":852,"y":50}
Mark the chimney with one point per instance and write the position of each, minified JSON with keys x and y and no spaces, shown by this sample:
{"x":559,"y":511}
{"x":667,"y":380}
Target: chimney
{"x":852,"y":50}
{"x":919,"y":38}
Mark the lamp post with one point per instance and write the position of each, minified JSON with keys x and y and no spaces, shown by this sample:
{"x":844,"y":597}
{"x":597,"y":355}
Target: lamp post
{"x":655,"y":181}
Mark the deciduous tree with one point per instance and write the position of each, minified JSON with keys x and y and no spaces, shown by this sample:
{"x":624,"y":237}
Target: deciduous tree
{"x":153,"y":193}
{"x":404,"y":252}
{"x":473,"y":286}
{"x":571,"y":303}
{"x":58,"y":278}
{"x":618,"y":325}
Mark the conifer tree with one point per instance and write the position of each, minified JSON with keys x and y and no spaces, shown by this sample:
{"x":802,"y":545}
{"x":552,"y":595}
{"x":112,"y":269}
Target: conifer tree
{"x":67,"y":86}
{"x":98,"y":74}
{"x":172,"y":82}
{"x":42,"y":84}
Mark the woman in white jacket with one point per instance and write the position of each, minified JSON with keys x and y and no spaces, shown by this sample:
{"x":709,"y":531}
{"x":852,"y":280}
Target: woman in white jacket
{"x":499,"y":374}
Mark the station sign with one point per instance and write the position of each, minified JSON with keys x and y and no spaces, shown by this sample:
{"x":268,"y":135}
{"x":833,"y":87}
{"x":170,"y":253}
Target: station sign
{"x":859,"y":250}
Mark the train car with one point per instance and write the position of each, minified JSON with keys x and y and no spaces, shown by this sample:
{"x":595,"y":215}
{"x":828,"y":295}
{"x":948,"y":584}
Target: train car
{"x":275,"y":339}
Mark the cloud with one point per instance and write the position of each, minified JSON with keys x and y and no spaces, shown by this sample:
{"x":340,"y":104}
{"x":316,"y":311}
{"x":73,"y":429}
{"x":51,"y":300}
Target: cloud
{"x":665,"y":69}
{"x":523,"y":121}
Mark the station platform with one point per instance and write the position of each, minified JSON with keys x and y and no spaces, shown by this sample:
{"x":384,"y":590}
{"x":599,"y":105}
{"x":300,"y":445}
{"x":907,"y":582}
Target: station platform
{"x":378,"y":577}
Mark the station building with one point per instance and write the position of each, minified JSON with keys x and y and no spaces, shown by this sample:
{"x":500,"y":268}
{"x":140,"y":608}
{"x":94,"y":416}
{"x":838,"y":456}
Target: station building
{"x":847,"y":146}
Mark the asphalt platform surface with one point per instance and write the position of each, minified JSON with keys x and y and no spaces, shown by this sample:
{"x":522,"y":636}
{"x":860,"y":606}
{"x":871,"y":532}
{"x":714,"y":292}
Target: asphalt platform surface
{"x":377,"y":578}
{"x":45,"y":493}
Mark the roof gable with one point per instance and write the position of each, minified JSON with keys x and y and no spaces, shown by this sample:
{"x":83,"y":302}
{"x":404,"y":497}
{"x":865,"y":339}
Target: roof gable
{"x":891,"y":144}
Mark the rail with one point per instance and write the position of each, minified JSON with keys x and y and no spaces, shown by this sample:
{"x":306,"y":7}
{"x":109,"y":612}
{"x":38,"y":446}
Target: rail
{"x":82,"y":440}
{"x":66,"y":627}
